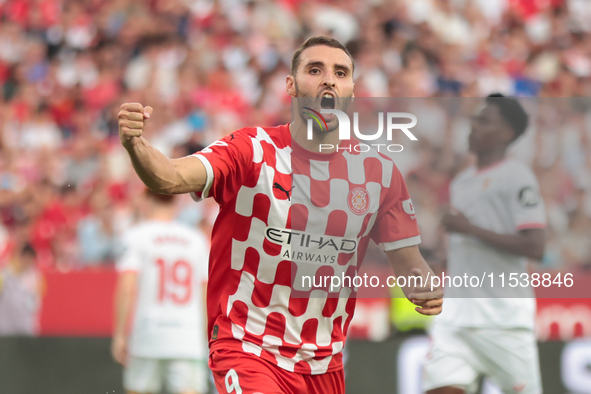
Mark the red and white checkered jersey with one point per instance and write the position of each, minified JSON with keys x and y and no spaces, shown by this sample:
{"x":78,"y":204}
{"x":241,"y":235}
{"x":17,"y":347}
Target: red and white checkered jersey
{"x":286,"y":212}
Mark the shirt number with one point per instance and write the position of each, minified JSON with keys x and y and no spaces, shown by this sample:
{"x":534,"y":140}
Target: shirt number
{"x":232,"y":383}
{"x":174,"y":281}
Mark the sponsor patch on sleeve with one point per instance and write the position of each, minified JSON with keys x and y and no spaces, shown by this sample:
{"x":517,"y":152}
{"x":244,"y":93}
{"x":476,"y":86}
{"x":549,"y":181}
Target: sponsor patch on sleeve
{"x":529,"y":197}
{"x":409,"y":208}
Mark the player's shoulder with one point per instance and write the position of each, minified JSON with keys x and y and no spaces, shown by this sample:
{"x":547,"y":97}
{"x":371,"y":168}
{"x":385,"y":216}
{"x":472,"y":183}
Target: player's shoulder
{"x":190,"y":231}
{"x":518,"y":165}
{"x":516,"y":171}
{"x":465,"y":174}
{"x":362,"y":155}
{"x":134,"y":236}
{"x":245,"y":132}
{"x":373,"y":160}
{"x":262,"y":133}
{"x":136,"y":230}
{"x":138,"y":233}
{"x":381,"y":156}
{"x":277,"y":136}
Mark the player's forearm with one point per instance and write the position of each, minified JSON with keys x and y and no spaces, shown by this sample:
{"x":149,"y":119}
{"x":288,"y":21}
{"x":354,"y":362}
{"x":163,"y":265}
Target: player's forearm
{"x":530,"y":245}
{"x":121,"y":315}
{"x":158,"y":172}
{"x":409,"y":262}
{"x":404,"y":260}
{"x":405,"y":267}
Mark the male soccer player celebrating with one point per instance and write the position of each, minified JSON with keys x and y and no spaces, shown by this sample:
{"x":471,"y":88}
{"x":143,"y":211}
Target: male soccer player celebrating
{"x":496,"y":223}
{"x":161,"y":284}
{"x":263,"y":337}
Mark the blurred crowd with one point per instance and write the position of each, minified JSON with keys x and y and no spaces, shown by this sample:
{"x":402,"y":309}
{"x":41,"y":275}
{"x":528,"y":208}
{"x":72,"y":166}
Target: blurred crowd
{"x":67,"y":188}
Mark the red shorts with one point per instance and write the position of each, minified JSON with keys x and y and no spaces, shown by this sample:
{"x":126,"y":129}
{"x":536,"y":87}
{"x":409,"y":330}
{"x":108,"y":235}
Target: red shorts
{"x":242,"y":373}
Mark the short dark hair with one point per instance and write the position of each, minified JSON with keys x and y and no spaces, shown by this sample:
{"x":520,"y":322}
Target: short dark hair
{"x":315,"y":41}
{"x":512,"y":111}
{"x":160,"y":198}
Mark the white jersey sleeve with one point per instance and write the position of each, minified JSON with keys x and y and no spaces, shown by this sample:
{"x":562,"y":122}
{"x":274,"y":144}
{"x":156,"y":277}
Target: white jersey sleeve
{"x":524,"y":200}
{"x":130,"y":259}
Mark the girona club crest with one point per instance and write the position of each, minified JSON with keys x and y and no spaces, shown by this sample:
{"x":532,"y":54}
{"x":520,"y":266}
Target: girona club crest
{"x":358,"y":201}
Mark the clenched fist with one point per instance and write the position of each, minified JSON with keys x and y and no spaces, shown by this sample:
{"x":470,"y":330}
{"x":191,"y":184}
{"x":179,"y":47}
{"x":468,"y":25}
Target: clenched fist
{"x":132,"y":117}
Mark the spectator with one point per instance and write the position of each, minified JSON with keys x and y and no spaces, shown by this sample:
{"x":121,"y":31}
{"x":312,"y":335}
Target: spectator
{"x":40,"y":132}
{"x":96,"y":233}
{"x":20,"y":294}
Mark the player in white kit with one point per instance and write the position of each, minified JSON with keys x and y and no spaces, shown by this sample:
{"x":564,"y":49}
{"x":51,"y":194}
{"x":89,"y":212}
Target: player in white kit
{"x":497,"y":221}
{"x":160,"y":294}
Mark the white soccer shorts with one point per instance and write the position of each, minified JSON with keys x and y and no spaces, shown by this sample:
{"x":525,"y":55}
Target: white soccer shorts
{"x":146,"y":375}
{"x":459,"y":355}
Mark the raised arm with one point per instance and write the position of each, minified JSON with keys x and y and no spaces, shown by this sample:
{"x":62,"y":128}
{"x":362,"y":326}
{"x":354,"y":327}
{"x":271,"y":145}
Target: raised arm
{"x":158,"y":172}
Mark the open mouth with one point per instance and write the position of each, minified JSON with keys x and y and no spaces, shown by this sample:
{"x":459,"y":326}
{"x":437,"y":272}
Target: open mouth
{"x":328,"y":101}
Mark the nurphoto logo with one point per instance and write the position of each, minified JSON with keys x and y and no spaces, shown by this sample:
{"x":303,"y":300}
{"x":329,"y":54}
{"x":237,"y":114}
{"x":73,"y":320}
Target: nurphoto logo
{"x":345,"y":128}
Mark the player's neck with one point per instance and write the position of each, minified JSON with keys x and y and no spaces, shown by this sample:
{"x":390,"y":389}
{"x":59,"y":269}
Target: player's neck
{"x":489,"y":158}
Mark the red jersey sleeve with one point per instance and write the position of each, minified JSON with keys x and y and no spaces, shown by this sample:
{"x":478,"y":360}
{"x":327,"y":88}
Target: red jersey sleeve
{"x":396,"y":225}
{"x":227,"y":162}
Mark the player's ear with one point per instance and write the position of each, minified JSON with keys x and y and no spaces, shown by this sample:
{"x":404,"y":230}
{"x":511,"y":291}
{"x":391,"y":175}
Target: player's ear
{"x":290,"y":85}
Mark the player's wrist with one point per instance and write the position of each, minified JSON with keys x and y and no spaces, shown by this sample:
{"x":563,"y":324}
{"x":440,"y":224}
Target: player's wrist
{"x":130,"y":143}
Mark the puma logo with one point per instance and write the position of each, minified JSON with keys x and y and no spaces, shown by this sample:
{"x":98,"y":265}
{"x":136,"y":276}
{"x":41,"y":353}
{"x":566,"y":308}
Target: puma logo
{"x":276,"y":185}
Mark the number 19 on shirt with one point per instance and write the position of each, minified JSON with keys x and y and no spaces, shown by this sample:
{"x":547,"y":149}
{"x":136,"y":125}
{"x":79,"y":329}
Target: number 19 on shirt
{"x":174,"y":281}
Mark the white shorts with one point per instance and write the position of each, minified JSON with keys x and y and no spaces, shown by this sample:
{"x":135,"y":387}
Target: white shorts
{"x":146,"y":375}
{"x":459,"y":356}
